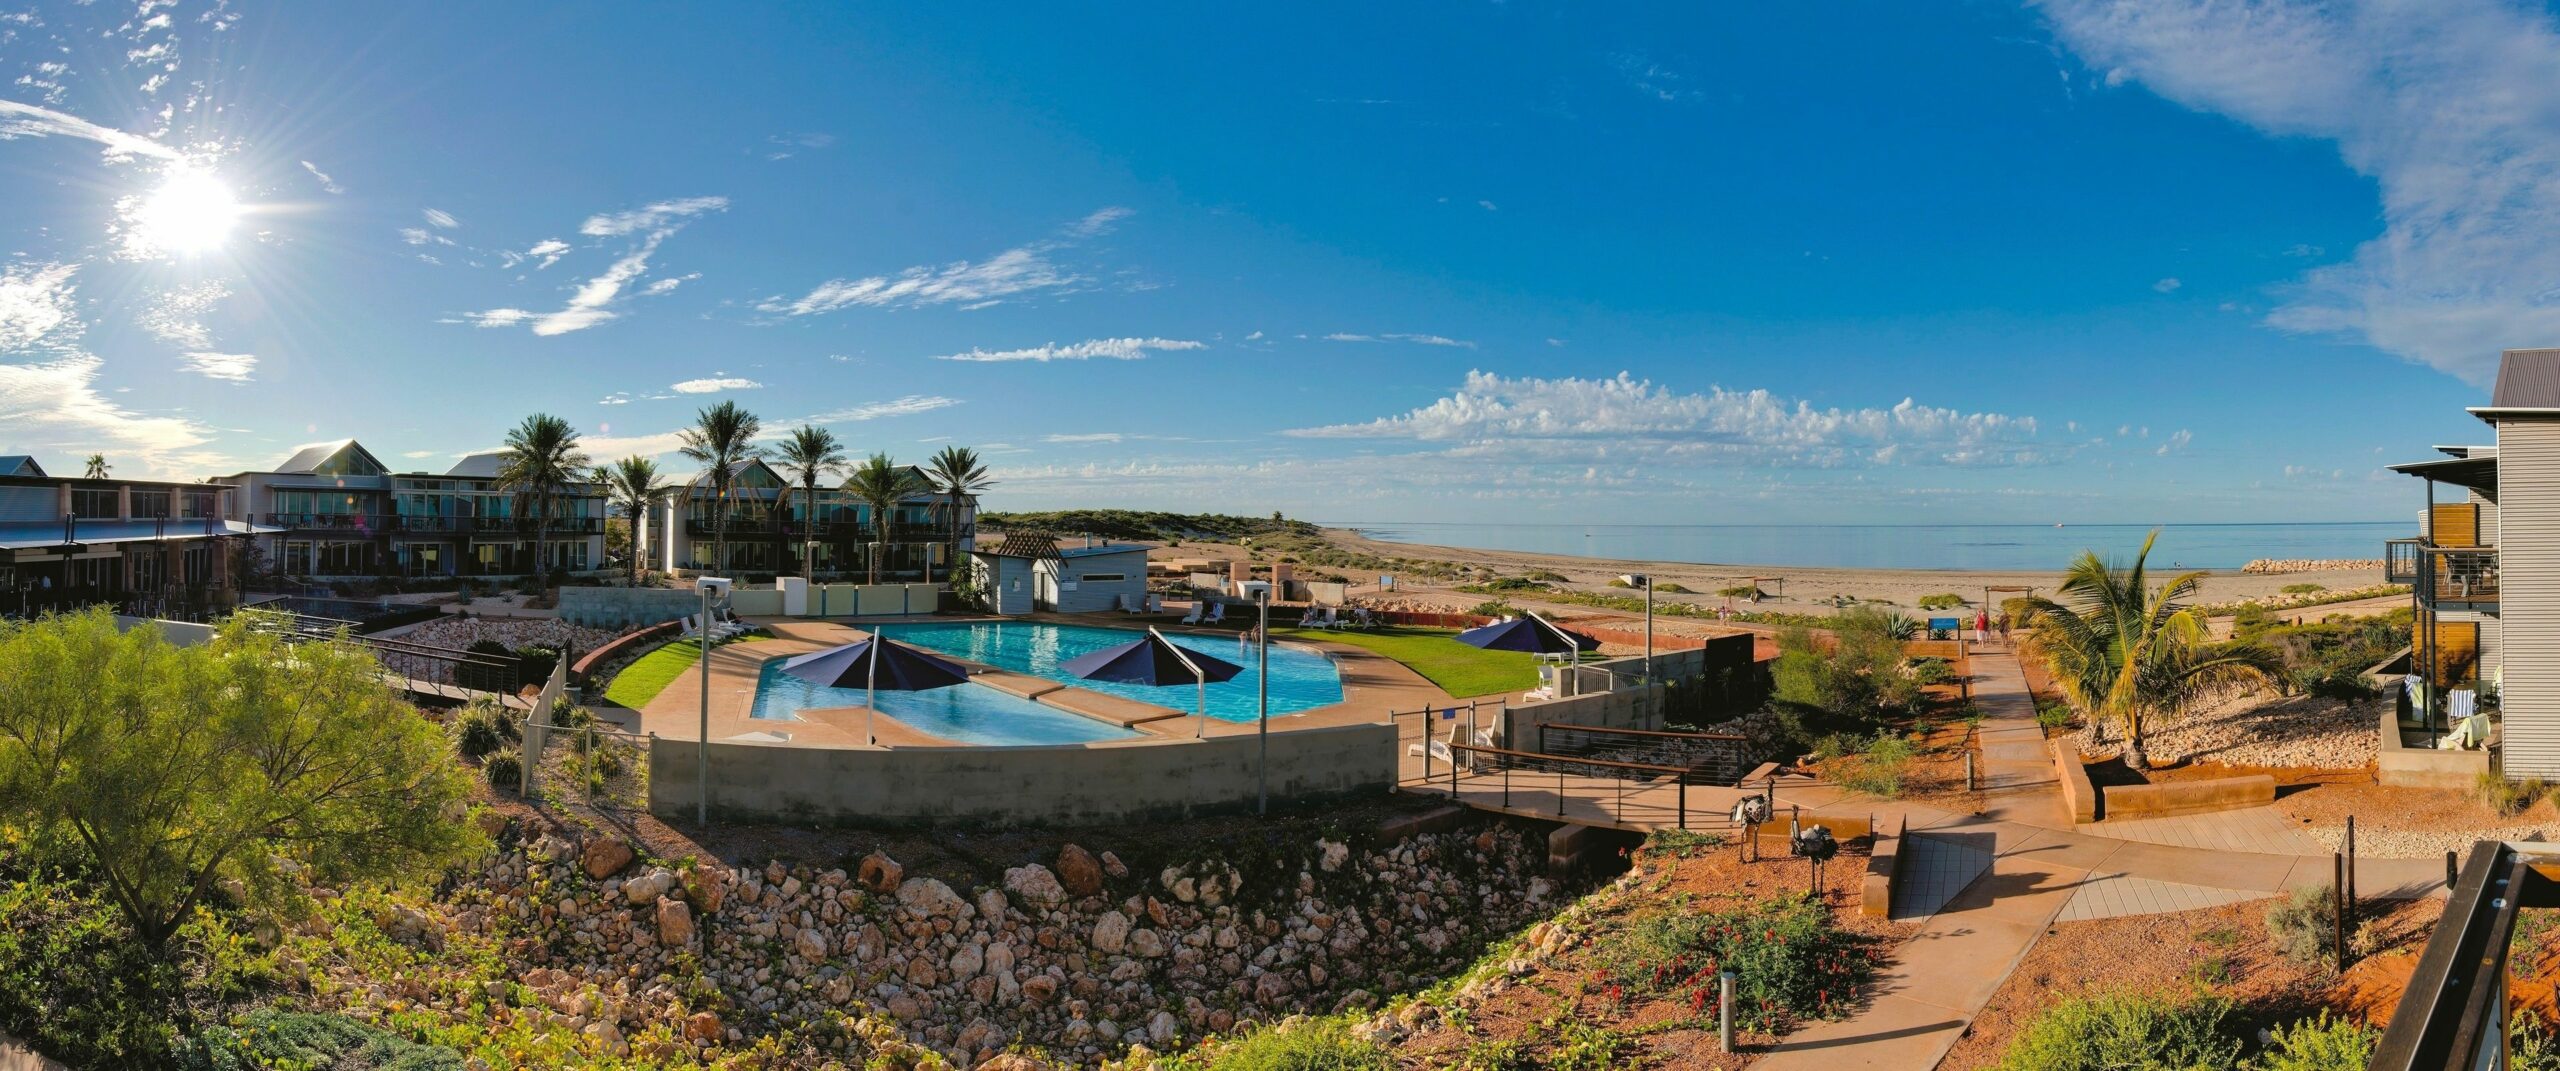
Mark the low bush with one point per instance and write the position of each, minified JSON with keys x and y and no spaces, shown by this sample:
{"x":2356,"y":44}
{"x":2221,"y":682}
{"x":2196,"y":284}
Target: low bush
{"x":1493,"y":608}
{"x":1545,"y":576}
{"x":268,"y":1038}
{"x":475,"y":733}
{"x":2508,"y":798}
{"x":1945,"y":600}
{"x":2319,"y":1044}
{"x":1792,"y":962}
{"x":1932,"y":670}
{"x":78,"y":984}
{"x":1318,"y":1045}
{"x":503,"y":770}
{"x":2304,"y":925}
{"x":1670,"y":587}
{"x":1877,"y":770}
{"x":2125,"y":1032}
{"x":2303,"y":589}
{"x":1740,"y":591}
{"x":2337,"y":682}
{"x":2055,"y":715}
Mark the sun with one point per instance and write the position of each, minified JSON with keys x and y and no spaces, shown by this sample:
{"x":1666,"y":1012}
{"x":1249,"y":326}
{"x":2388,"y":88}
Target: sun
{"x":191,"y":213}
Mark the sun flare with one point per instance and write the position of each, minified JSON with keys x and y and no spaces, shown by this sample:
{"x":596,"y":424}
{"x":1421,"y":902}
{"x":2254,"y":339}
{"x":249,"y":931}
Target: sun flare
{"x":191,"y":213}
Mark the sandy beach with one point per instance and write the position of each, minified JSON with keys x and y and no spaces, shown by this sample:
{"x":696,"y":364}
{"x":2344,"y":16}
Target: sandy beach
{"x":1790,"y":589}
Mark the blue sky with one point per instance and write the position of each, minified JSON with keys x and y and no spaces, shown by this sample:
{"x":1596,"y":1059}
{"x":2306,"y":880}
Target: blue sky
{"x":1874,"y":263}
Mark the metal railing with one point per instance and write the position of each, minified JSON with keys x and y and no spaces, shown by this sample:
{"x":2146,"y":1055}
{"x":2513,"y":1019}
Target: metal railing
{"x":1525,"y":777}
{"x":2442,"y":576}
{"x":2453,"y":1013}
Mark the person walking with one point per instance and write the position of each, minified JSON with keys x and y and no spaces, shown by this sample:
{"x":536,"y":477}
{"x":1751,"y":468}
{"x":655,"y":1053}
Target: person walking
{"x":1981,"y":626}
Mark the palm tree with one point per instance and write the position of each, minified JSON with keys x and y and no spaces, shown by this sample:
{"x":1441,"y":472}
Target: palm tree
{"x":959,"y":476}
{"x":97,"y":468}
{"x":635,"y":486}
{"x":881,"y":484}
{"x":720,"y":438}
{"x":539,"y":464}
{"x":808,"y":455}
{"x":2123,"y":651}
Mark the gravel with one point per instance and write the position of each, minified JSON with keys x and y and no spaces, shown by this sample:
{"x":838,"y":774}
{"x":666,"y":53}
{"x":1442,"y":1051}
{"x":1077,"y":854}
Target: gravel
{"x":2259,"y":728}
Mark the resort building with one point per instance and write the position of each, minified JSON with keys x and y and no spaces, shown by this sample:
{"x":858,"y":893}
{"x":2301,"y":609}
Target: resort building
{"x":143,"y":546}
{"x":2492,"y":516}
{"x":1029,"y":571}
{"x":771,"y":526}
{"x":336,"y":511}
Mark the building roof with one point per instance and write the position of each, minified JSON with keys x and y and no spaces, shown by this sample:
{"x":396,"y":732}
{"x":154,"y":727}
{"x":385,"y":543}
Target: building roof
{"x":484,"y":465}
{"x":357,"y":460}
{"x":1101,"y":550}
{"x":20,"y":465}
{"x":1024,"y":544}
{"x":39,"y":535}
{"x":2477,"y":473}
{"x":2527,"y":379}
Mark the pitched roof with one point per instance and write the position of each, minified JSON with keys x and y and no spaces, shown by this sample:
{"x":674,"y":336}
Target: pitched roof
{"x":19,"y":465}
{"x":2527,"y":379}
{"x":485,"y":465}
{"x":317,"y":455}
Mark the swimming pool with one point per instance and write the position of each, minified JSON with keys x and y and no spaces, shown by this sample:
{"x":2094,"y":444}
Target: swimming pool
{"x":962,"y":714}
{"x":1300,"y":679}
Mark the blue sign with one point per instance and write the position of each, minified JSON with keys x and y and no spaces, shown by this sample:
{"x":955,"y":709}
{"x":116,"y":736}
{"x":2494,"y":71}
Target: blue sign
{"x":1945,"y":624}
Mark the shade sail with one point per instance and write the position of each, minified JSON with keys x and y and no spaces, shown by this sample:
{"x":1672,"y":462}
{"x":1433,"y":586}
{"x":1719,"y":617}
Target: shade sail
{"x":1529,"y":634}
{"x":902,"y":668}
{"x":1150,"y":659}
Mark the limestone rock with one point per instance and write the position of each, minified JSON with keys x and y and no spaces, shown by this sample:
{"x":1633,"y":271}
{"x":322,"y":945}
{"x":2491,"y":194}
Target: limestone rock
{"x":929,"y":898}
{"x":1111,"y":933}
{"x":702,"y":1026}
{"x":1330,"y":855}
{"x":811,"y":944}
{"x":1112,"y":866}
{"x":879,"y":873}
{"x":1034,"y":884}
{"x":1079,"y":871}
{"x":605,"y":856}
{"x":675,"y":923}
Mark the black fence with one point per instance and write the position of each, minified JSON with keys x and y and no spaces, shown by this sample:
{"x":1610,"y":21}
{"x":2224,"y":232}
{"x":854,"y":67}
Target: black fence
{"x":504,"y":674}
{"x":1708,"y":758}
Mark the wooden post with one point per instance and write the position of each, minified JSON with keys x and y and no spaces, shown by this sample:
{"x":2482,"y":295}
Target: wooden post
{"x":1684,"y":802}
{"x":2452,"y":873}
{"x":2351,"y":871}
{"x":1968,"y":770}
{"x":2338,"y":891}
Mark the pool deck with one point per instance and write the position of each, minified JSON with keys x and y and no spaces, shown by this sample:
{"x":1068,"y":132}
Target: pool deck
{"x":1372,"y":685}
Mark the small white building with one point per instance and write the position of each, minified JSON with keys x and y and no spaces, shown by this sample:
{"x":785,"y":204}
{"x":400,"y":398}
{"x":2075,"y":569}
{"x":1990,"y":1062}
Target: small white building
{"x":1029,"y":571}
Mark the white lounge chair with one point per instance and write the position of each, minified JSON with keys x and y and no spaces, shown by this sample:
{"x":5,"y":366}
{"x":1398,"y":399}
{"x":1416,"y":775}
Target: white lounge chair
{"x":1317,"y":617}
{"x":1217,"y":614}
{"x":1132,"y":604}
{"x":1193,"y":618}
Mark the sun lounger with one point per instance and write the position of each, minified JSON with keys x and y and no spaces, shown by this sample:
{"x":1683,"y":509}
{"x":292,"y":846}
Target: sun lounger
{"x":1132,"y":604}
{"x":1193,"y":618}
{"x":1217,"y":614}
{"x":2468,"y":733}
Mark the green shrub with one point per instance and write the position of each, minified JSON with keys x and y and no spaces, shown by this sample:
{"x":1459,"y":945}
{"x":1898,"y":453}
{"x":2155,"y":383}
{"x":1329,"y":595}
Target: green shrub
{"x":1740,"y":591}
{"x":1932,"y":670}
{"x":1945,"y":600}
{"x":1318,"y":1045}
{"x":2319,"y":1044}
{"x":1877,"y":770}
{"x":475,"y":734}
{"x":2126,"y":1032}
{"x":1493,"y":608}
{"x":2303,"y":925}
{"x":2054,"y":715}
{"x":1545,"y":576}
{"x":1792,"y":962}
{"x":2530,"y":1044}
{"x":2303,"y":589}
{"x":1669,"y":587}
{"x":503,"y":770}
{"x":2506,"y":797}
{"x":538,"y":662}
{"x":275,"y":1039}
{"x":2336,"y":682}
{"x":1678,"y":843}
{"x":76,"y":983}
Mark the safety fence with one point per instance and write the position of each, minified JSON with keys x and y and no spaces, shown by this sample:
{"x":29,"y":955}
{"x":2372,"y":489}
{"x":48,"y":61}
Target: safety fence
{"x":1714,"y":758}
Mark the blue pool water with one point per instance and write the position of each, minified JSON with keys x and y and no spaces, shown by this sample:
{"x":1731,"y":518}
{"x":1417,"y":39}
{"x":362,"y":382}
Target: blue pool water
{"x":1300,"y":679}
{"x":965,"y":714}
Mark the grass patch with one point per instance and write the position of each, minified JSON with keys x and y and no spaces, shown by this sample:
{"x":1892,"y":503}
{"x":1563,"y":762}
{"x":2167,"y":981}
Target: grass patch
{"x":1315,"y":1045}
{"x":1458,"y":669}
{"x":649,"y":674}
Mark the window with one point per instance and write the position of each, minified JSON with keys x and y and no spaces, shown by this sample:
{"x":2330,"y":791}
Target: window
{"x":1100,"y":577}
{"x":149,"y":504}
{"x":89,"y":505}
{"x":201,"y":504}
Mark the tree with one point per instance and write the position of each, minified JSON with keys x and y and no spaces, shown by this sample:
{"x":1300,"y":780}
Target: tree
{"x":2124,"y":651}
{"x":807,"y":456}
{"x":539,"y":463}
{"x":168,"y":771}
{"x":634,"y":485}
{"x":881,"y":484}
{"x":957,"y":473}
{"x":97,"y":469}
{"x":721,"y":437}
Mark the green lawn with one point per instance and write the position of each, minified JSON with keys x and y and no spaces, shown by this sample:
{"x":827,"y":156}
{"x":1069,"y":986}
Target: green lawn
{"x":645,"y":677}
{"x":1458,"y":669}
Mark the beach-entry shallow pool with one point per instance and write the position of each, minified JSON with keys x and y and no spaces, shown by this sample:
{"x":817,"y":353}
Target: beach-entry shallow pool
{"x":1300,"y":679}
{"x":962,"y":714}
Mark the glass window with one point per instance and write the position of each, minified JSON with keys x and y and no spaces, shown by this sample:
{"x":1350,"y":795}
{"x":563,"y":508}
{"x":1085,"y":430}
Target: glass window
{"x":150,"y":504}
{"x":1106,"y":576}
{"x":89,"y":505}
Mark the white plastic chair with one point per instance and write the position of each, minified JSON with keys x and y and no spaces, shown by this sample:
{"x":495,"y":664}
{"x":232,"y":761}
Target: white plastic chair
{"x":1217,"y":614}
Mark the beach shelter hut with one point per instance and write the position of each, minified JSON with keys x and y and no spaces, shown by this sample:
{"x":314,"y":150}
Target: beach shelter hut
{"x":1154,"y":660}
{"x":876,"y":663}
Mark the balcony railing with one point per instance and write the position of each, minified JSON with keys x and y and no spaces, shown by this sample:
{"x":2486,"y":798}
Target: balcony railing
{"x":368,"y":523}
{"x":467,"y":525}
{"x":2452,"y":577}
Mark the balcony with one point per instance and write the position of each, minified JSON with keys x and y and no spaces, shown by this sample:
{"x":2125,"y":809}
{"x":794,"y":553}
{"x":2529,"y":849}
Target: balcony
{"x":2444,"y":578}
{"x":359,"y":523}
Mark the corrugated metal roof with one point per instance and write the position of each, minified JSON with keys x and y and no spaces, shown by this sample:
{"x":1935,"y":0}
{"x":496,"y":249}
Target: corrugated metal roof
{"x":2477,"y":473}
{"x":1097,"y":551}
{"x":482,"y":465}
{"x":19,"y":465}
{"x":2527,"y":379}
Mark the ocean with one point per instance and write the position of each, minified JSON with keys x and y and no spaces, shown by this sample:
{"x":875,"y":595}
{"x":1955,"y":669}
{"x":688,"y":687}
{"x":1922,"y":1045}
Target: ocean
{"x":1973,"y":547}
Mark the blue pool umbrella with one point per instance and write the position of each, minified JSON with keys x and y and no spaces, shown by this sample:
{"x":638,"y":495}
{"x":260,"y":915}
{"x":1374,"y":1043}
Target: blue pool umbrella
{"x":1154,"y":660}
{"x":897,"y":667}
{"x":1530,"y":633}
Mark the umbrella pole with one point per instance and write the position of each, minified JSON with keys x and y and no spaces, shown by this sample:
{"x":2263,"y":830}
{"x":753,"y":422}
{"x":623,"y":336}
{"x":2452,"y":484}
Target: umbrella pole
{"x":871,"y":693}
{"x":1203,"y":679}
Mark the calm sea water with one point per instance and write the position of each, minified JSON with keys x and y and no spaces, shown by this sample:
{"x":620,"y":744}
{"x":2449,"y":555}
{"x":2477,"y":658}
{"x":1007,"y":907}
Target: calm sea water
{"x":1989,"y":547}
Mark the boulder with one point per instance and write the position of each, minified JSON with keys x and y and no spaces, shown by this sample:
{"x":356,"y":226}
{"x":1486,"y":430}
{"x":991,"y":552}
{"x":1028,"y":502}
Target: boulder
{"x":811,"y":944}
{"x":965,"y":964}
{"x":1331,"y":855}
{"x":605,"y":856}
{"x":647,"y":888}
{"x":675,"y":923}
{"x":1146,"y":943}
{"x":879,"y":873}
{"x":1012,"y":1061}
{"x":929,"y":898}
{"x":706,"y":886}
{"x":1035,"y":885}
{"x":1039,"y":989}
{"x":703,"y":1027}
{"x":1079,"y":871}
{"x":1111,"y":933}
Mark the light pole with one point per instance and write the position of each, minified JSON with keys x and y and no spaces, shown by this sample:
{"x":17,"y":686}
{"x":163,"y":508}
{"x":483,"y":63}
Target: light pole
{"x":1645,"y":582}
{"x":1262,"y":696}
{"x":708,"y":586}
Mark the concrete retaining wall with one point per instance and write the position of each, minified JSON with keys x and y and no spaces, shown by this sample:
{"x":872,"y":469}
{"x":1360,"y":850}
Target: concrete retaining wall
{"x":2078,"y":796}
{"x":622,"y":645}
{"x":1063,"y":785}
{"x":2423,"y":767}
{"x":1629,"y":708}
{"x":2189,"y":797}
{"x":1884,"y":870}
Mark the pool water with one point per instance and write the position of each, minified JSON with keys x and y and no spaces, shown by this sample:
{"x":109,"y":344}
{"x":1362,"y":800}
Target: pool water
{"x":964,"y":714}
{"x":1300,"y":679}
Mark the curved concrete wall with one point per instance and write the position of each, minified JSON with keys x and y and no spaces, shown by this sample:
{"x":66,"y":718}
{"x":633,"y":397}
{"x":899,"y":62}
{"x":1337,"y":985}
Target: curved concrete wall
{"x":1060,"y":785}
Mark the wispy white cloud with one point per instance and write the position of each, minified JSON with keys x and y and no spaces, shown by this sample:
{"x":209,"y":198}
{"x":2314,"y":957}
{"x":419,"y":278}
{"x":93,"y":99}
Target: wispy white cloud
{"x":650,"y":217}
{"x":2176,"y":443}
{"x":1088,"y":437}
{"x":911,"y":404}
{"x":48,"y":392}
{"x":713,"y":386}
{"x":2446,"y":105}
{"x":235,"y":367}
{"x":327,"y":184}
{"x":548,"y":251}
{"x":1562,"y":420}
{"x":1416,"y":339}
{"x":29,"y":121}
{"x":441,"y":218}
{"x":1118,"y":349}
{"x":423,"y":236}
{"x":2167,"y":286}
{"x":787,"y":146}
{"x":1653,"y":79}
{"x":967,"y":284}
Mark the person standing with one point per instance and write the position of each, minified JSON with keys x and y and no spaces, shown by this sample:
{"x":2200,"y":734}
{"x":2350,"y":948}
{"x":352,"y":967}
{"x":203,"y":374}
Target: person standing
{"x":1981,"y":626}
